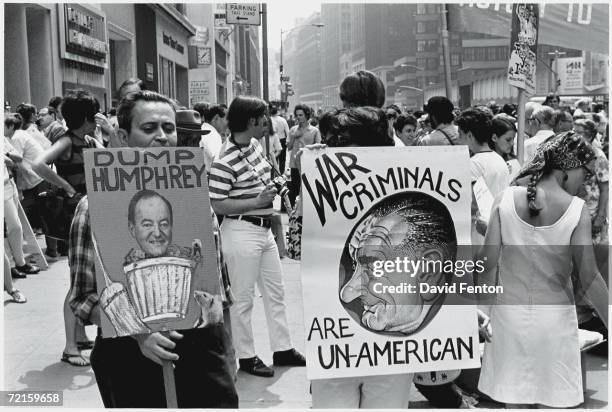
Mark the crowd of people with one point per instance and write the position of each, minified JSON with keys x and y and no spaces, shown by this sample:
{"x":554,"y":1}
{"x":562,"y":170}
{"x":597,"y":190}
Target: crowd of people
{"x":558,"y":194}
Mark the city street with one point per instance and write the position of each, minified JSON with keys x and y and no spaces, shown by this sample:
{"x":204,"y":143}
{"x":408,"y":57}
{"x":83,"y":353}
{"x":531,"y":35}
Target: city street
{"x":34,"y":338}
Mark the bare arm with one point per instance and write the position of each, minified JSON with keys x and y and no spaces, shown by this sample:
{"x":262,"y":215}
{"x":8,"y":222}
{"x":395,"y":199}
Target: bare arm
{"x":238,"y":206}
{"x":584,"y":259}
{"x":291,"y":139}
{"x":602,"y":207}
{"x":491,"y":249}
{"x":41,"y":168}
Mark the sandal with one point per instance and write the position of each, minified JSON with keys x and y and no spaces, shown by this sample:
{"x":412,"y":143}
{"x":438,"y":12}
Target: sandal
{"x":18,"y":296}
{"x":75,"y":360}
{"x":86,"y":345}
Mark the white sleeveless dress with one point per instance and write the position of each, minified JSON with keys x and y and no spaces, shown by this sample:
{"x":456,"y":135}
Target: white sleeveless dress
{"x":534,"y":356}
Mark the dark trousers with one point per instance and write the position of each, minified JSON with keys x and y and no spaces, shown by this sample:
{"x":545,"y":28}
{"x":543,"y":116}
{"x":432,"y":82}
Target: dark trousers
{"x":127,"y":379}
{"x":282,"y":156}
{"x":294,"y":186}
{"x":34,"y":208}
{"x":441,"y":396}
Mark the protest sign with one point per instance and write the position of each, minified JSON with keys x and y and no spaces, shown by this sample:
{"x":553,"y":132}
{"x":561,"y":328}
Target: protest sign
{"x":523,"y":47}
{"x":156,"y":267}
{"x":364,"y":210}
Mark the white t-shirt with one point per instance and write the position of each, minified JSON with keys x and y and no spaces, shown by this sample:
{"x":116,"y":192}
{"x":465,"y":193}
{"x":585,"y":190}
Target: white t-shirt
{"x":30,"y":149}
{"x":281,"y":128}
{"x":492,"y":167}
{"x":211,"y":143}
{"x":532,"y":144}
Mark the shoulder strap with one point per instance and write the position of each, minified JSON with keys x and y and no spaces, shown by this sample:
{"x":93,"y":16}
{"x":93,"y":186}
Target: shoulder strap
{"x":447,"y":136}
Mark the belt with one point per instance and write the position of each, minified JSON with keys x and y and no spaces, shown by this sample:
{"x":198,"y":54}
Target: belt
{"x":256,"y":220}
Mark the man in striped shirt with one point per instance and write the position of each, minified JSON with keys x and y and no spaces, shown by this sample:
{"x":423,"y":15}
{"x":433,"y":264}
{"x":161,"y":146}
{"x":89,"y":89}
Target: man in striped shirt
{"x":241,"y":189}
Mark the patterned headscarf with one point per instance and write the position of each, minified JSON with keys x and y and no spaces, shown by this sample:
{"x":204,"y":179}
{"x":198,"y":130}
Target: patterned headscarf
{"x":564,"y":151}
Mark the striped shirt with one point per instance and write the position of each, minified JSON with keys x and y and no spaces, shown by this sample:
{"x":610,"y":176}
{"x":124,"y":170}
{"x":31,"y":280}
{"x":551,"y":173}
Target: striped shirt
{"x":240,"y":173}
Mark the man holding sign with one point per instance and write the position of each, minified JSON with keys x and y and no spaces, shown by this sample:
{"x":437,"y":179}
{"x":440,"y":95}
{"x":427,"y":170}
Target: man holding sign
{"x":127,"y":368}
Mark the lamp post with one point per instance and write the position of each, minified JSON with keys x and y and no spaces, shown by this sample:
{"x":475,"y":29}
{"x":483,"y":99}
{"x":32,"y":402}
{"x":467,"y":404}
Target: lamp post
{"x":318,"y":25}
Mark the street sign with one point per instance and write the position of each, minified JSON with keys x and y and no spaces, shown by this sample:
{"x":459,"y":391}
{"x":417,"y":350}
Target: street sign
{"x":243,"y":14}
{"x":285,"y":78}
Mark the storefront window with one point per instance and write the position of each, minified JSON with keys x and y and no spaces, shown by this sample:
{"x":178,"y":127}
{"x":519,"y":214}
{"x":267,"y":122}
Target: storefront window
{"x":167,"y":78}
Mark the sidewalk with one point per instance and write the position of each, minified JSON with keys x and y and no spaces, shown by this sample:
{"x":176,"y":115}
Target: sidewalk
{"x":34,"y":339}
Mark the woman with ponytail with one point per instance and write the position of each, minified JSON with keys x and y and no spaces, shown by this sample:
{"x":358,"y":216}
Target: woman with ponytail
{"x":533,"y":358}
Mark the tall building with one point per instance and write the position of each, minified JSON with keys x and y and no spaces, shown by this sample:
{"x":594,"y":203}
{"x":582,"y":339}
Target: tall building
{"x":247,"y":58}
{"x":335,"y":42}
{"x":364,"y":37}
{"x":302,"y":61}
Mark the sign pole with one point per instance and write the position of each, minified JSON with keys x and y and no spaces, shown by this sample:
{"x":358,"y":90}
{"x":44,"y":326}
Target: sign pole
{"x":520,"y":138}
{"x":264,"y":51}
{"x":169,"y":385}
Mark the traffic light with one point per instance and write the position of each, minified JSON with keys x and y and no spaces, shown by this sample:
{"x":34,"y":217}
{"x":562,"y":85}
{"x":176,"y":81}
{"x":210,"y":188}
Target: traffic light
{"x":289,"y":89}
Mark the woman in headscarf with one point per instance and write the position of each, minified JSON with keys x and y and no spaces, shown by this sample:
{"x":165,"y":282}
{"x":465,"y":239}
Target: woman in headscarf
{"x":534,"y":356}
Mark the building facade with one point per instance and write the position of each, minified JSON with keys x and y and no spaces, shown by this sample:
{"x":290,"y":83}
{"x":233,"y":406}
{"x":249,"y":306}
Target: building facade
{"x":185,"y":51}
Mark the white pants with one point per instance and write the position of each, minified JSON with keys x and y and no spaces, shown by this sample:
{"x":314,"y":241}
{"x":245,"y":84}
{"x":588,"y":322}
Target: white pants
{"x":362,"y":392}
{"x":252,"y":257}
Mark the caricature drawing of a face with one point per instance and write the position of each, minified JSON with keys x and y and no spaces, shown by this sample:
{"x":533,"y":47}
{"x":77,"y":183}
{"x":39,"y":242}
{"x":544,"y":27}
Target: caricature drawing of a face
{"x":407,"y":225}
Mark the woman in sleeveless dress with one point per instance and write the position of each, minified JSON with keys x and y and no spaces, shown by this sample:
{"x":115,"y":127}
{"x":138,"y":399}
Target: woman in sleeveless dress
{"x":534,"y":235}
{"x":80,"y":110}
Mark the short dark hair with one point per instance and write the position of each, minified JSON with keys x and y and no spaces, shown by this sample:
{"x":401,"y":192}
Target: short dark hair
{"x":363,"y":88}
{"x":212,"y":111}
{"x":441,"y":108}
{"x":328,"y":123}
{"x":242,"y":109}
{"x":502,"y":123}
{"x":79,"y":106}
{"x":270,"y":126}
{"x":304,"y":108}
{"x":130,"y":82}
{"x":478,"y":122}
{"x":55,"y":101}
{"x":395,"y":108}
{"x":201,"y":108}
{"x":509,"y":109}
{"x":402,"y":120}
{"x":127,"y":104}
{"x":549,"y":98}
{"x":27,"y":112}
{"x":273,"y":110}
{"x":361,"y":126}
{"x":14,"y":120}
{"x":144,"y":195}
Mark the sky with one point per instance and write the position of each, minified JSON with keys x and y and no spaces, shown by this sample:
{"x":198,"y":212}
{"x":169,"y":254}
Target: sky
{"x":282,"y":14}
